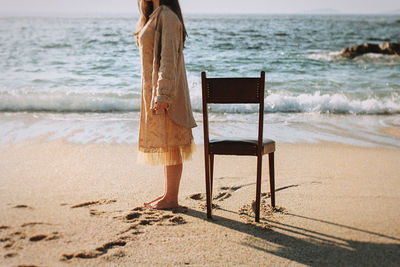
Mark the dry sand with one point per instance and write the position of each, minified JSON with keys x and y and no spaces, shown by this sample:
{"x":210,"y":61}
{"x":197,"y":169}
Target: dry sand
{"x":65,"y":204}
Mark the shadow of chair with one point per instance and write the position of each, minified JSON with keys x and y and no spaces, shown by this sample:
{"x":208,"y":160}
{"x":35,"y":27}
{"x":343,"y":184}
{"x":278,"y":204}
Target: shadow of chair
{"x":236,"y":91}
{"x":310,"y":247}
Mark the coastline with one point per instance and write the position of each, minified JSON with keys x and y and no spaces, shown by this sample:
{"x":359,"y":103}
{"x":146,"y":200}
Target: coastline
{"x":123,"y":128}
{"x":69,"y":203}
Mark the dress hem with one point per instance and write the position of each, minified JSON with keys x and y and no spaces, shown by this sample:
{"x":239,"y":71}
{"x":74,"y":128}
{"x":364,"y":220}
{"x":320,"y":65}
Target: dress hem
{"x":166,"y":156}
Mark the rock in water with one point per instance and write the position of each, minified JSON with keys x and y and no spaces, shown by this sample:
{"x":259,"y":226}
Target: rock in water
{"x":390,"y":48}
{"x":358,"y":50}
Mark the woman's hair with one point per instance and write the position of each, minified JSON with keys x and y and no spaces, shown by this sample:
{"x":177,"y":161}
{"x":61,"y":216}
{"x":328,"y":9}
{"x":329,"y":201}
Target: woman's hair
{"x":146,"y":8}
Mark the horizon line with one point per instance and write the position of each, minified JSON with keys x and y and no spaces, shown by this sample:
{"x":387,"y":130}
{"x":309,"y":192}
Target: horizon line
{"x":47,"y":13}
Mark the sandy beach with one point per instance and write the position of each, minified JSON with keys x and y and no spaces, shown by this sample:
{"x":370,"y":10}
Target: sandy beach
{"x":65,"y":204}
{"x":72,"y":190}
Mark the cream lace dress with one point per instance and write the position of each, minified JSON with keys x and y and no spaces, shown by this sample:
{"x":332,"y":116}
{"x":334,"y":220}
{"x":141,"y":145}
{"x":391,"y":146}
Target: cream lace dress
{"x":161,"y":141}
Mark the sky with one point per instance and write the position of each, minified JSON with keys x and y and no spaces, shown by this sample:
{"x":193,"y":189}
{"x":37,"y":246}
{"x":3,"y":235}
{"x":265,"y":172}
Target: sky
{"x":201,"y":6}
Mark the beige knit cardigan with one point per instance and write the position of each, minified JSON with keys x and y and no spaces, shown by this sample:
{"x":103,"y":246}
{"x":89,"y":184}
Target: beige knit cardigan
{"x":169,"y":79}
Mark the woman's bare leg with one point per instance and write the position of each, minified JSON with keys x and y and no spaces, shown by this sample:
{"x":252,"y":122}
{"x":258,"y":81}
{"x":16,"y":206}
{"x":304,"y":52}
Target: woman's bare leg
{"x":172,"y":181}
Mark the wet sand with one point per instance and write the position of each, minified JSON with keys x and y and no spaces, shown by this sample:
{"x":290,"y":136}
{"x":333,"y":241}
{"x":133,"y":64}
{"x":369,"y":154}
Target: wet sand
{"x":395,"y":132}
{"x":65,"y":204}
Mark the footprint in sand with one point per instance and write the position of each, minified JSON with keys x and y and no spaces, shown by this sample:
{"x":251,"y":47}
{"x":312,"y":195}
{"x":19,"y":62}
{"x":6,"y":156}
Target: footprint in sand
{"x":11,"y":239}
{"x":14,"y":238}
{"x":34,"y":223}
{"x":266,"y":195}
{"x":247,"y":213}
{"x":202,"y":197}
{"x":138,"y":219}
{"x":91,"y":254}
{"x":4,"y":239}
{"x":17,"y":237}
{"x":94,"y":212}
{"x":22,"y":206}
{"x":141,"y":216}
{"x":94,"y":203}
{"x":10,"y":255}
{"x":90,"y":204}
{"x":39,"y":237}
{"x":8,"y":240}
{"x":198,"y":196}
{"x":9,"y":243}
{"x":224,"y":192}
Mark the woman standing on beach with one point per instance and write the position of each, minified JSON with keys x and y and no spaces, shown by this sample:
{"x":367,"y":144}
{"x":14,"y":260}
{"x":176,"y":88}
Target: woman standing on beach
{"x":165,"y":135}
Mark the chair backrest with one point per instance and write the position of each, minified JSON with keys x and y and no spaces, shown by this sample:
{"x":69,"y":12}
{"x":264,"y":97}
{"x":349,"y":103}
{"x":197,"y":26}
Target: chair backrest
{"x":233,"y":91}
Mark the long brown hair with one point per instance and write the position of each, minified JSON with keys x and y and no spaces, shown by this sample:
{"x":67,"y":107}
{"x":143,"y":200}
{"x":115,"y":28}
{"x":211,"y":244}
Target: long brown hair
{"x":146,"y":8}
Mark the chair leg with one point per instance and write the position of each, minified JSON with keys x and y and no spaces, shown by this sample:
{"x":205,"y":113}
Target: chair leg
{"x":272,"y":178}
{"x":211,"y":173}
{"x":208,"y":186}
{"x":258,"y":188}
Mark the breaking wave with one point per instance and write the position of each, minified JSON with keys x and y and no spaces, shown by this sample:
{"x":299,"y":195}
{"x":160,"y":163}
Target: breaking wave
{"x":105,"y":102}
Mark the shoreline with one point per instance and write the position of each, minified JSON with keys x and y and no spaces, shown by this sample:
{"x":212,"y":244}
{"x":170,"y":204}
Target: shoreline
{"x":66,"y":203}
{"x":123,"y":128}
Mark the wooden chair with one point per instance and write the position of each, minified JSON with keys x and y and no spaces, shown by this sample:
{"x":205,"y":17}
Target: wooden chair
{"x":236,"y":91}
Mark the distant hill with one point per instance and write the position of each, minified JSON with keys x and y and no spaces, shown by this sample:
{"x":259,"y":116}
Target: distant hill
{"x":321,"y":11}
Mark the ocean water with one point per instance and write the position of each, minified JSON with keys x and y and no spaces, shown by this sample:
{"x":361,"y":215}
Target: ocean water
{"x":78,"y":77}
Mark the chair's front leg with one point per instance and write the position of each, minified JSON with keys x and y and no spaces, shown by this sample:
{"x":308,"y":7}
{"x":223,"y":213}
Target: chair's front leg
{"x":258,"y":188}
{"x":208,"y":186}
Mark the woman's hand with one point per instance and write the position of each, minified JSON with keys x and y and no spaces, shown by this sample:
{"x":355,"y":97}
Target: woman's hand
{"x":160,"y":106}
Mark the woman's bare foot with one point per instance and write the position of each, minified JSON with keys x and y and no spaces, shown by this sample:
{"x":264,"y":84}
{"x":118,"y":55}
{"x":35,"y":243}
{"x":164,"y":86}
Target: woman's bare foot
{"x":154,"y":200}
{"x":163,"y":204}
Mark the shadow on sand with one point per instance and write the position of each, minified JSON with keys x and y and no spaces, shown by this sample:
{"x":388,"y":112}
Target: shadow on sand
{"x":310,"y":247}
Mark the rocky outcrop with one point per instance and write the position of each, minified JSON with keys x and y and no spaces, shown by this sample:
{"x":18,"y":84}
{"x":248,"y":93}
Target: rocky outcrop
{"x":390,"y":48}
{"x":383,"y":48}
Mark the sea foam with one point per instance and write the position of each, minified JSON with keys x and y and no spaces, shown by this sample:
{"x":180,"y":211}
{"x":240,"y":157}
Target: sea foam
{"x":74,"y":102}
{"x":332,"y":103}
{"x":105,"y":102}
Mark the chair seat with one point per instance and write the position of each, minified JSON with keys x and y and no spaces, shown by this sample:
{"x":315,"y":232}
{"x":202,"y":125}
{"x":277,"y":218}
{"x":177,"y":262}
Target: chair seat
{"x":240,"y":146}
